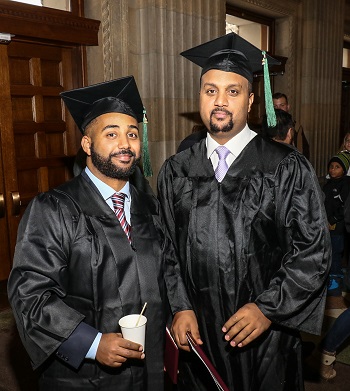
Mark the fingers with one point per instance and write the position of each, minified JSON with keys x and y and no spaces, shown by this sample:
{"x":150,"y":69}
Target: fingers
{"x":240,"y":334}
{"x":247,"y":324}
{"x":231,"y":322}
{"x":114,"y":350}
{"x":183,"y":322}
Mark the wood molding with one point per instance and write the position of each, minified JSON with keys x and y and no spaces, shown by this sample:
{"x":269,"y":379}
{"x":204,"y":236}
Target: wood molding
{"x":28,"y":21}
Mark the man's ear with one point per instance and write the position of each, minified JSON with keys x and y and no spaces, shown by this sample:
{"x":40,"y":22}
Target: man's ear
{"x":290,"y":135}
{"x":86,"y":145}
{"x":250,"y":101}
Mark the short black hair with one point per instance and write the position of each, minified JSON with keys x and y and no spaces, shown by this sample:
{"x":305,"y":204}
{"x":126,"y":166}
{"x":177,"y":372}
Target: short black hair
{"x":279,"y":132}
{"x":279,"y":95}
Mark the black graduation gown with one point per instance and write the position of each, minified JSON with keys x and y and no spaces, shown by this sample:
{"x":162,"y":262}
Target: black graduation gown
{"x":259,"y":236}
{"x":74,"y":263}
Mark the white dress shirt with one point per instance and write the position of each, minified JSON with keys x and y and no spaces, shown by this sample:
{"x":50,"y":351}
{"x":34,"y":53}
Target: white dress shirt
{"x":107,"y":192}
{"x":235,"y":145}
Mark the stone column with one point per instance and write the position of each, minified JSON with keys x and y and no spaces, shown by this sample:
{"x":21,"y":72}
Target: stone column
{"x":321,"y":77}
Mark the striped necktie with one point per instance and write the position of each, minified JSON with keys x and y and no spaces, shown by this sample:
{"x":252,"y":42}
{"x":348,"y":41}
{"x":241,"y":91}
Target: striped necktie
{"x":118,"y":204}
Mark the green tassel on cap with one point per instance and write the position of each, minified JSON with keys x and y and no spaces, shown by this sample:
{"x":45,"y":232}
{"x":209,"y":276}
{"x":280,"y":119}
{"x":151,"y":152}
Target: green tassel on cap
{"x":147,"y":168}
{"x":270,"y":111}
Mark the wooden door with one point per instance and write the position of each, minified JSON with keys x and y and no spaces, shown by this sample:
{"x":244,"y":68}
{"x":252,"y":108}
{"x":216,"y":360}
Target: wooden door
{"x":38,"y":139}
{"x":37,"y":146}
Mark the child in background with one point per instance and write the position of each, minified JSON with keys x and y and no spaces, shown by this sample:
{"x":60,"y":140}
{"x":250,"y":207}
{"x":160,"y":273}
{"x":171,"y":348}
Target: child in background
{"x":337,"y":190}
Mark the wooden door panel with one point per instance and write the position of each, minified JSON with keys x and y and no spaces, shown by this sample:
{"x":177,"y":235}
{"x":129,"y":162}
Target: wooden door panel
{"x":40,"y":132}
{"x":9,"y":223}
{"x":37,"y":145}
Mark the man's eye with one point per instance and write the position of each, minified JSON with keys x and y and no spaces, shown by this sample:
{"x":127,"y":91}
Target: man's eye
{"x":233,"y":92}
{"x":133,"y":135}
{"x":210,"y":92}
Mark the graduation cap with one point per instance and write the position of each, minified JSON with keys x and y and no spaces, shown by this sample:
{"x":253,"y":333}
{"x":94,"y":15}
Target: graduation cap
{"x":232,"y":53}
{"x":115,"y":96}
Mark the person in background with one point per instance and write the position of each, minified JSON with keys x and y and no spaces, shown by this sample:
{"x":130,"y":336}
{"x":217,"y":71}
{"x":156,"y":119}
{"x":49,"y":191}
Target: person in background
{"x":346,"y":143}
{"x":337,"y":189}
{"x":345,"y":147}
{"x":283,"y":132}
{"x":330,"y":344}
{"x":247,"y":220}
{"x":92,"y":251}
{"x":340,"y":330}
{"x":280,"y":101}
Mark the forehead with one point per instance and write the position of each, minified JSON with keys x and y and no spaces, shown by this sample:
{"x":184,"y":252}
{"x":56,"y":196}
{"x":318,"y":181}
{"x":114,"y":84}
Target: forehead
{"x":117,"y":119}
{"x":223,"y":79}
{"x":281,"y":101}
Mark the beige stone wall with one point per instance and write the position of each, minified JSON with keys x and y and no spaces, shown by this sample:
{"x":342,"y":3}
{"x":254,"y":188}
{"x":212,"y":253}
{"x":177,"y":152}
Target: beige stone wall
{"x":144,"y":38}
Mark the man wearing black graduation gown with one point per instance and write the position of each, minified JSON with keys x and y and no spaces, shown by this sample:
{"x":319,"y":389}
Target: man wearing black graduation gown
{"x":254,"y":247}
{"x":76,"y":273}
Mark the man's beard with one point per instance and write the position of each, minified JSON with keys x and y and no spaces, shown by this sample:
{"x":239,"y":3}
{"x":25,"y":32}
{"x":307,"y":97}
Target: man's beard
{"x":215,"y":128}
{"x":111,"y":170}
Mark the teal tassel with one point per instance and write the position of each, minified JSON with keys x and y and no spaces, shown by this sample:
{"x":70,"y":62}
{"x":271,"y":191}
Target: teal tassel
{"x":146,"y":160}
{"x":270,"y":111}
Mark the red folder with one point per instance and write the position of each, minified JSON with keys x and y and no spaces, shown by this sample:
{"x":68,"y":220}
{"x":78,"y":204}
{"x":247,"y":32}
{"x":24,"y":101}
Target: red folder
{"x":171,"y":357}
{"x":210,"y":367}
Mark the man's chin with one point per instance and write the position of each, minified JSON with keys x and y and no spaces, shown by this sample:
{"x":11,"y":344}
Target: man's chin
{"x":220,"y":127}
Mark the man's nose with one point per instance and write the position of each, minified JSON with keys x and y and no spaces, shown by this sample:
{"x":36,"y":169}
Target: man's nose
{"x":221,"y":99}
{"x":123,"y":142}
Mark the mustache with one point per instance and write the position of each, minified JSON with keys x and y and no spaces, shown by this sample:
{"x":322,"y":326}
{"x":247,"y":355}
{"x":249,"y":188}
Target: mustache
{"x":123,"y":152}
{"x":221,"y":109}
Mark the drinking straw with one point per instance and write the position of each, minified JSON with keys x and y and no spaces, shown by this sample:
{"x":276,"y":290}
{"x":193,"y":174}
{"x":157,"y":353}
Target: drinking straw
{"x":143,"y":309}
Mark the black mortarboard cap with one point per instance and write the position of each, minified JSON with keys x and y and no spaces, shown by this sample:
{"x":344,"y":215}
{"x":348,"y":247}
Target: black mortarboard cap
{"x":115,"y":96}
{"x":229,"y":53}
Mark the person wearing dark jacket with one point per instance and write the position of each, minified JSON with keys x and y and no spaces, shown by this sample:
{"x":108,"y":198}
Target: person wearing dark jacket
{"x":337,"y":190}
{"x":90,"y":252}
{"x":247,"y":219}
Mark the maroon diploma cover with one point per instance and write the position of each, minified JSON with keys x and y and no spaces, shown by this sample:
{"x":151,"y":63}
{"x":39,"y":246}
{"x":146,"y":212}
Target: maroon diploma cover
{"x":210,"y":367}
{"x":171,"y":357}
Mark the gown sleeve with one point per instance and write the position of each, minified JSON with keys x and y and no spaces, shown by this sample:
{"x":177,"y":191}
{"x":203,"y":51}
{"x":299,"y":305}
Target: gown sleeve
{"x":38,"y":280}
{"x":177,"y":295}
{"x":295,"y":296}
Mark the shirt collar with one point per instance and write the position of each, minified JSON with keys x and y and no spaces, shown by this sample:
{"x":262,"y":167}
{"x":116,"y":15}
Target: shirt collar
{"x":105,"y":190}
{"x":235,"y":145}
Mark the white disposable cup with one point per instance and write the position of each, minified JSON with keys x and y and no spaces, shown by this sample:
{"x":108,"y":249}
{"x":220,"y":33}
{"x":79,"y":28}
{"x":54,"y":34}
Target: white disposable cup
{"x":132,"y":332}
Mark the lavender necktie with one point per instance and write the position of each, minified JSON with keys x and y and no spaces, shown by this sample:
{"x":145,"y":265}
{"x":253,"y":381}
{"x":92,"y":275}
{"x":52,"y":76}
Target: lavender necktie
{"x":118,"y":204}
{"x":222,"y":167}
